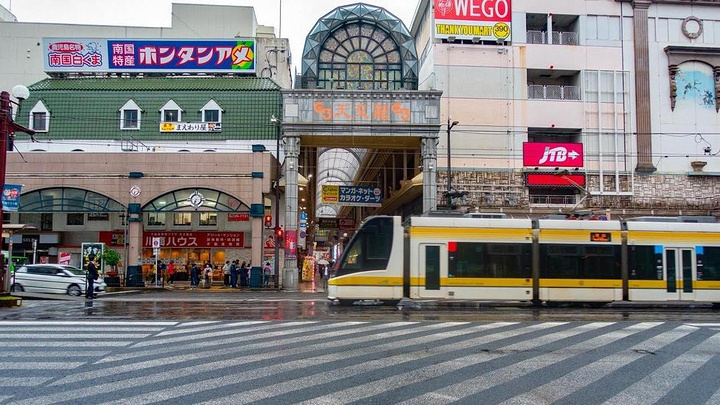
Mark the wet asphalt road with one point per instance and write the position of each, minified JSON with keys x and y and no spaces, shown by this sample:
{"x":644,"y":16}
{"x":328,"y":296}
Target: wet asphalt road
{"x":286,"y":306}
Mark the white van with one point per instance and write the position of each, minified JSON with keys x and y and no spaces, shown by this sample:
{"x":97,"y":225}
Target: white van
{"x":52,"y":278}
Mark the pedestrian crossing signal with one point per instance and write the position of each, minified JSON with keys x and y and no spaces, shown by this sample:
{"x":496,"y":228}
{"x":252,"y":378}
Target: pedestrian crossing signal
{"x":278,"y":235}
{"x":268,"y":221}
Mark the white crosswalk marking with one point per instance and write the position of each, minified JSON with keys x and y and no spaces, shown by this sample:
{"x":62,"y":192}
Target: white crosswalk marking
{"x":343,"y":362}
{"x":653,"y":387}
{"x":569,"y":383}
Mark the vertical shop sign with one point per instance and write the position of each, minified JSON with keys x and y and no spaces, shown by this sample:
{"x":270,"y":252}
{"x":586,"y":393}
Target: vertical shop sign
{"x":291,"y":244}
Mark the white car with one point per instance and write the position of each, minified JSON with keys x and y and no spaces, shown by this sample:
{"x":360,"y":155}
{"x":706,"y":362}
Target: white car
{"x":52,"y":278}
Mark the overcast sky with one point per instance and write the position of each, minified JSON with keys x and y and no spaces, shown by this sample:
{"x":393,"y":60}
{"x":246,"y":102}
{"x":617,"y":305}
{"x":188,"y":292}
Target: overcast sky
{"x":298,"y":16}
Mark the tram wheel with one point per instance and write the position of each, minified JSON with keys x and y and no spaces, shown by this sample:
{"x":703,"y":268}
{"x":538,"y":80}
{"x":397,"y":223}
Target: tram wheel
{"x":346,"y":303}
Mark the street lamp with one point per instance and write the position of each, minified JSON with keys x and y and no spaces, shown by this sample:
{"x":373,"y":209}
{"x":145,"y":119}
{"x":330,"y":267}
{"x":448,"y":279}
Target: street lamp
{"x":8,"y":127}
{"x":276,"y":263}
{"x":449,"y":177}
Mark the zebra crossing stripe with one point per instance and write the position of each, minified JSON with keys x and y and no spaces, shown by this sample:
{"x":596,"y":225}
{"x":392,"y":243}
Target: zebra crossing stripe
{"x":344,"y":372}
{"x":571,"y":382}
{"x":61,"y":336}
{"x":55,"y":353}
{"x":84,"y":329}
{"x":9,"y":382}
{"x":671,"y":374}
{"x":79,"y":343}
{"x":197,"y":369}
{"x":204,"y":327}
{"x":271,"y":370}
{"x":86,"y":323}
{"x":46,"y":365}
{"x":207,"y":335}
{"x":193,"y":344}
{"x":436,"y":369}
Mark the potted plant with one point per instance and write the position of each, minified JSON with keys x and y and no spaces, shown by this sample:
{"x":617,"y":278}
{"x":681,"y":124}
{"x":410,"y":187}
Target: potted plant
{"x":111,"y":258}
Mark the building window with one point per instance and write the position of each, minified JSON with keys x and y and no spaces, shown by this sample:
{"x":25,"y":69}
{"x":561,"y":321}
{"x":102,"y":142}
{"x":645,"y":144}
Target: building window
{"x":39,"y":121}
{"x":171,"y":112}
{"x":211,"y":112}
{"x":40,"y":117}
{"x":182,"y":219}
{"x":155,"y":219}
{"x":130,"y":116}
{"x":211,"y":116}
{"x":208,"y":219}
{"x":75,"y":219}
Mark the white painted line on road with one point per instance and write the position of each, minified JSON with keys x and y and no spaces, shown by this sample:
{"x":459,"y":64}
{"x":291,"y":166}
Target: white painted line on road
{"x":586,"y":375}
{"x":181,"y":330}
{"x":22,"y":382}
{"x":55,"y":353}
{"x":186,"y":324}
{"x":80,"y":335}
{"x":657,"y":384}
{"x":47,"y":365}
{"x":86,"y":323}
{"x":85,"y":329}
{"x":83,"y":344}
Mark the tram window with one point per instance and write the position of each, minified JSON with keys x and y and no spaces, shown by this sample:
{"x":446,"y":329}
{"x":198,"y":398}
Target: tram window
{"x":642,"y":263}
{"x":580,"y":261}
{"x":370,"y":248}
{"x":490,"y":260}
{"x":711,"y":264}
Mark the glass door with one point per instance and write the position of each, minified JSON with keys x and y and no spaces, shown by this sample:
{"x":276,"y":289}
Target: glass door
{"x":432,"y":270}
{"x":680,"y":273}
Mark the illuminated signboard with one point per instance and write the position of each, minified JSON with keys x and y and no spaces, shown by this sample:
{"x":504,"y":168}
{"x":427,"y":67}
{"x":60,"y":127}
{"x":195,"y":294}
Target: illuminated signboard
{"x":554,"y":180}
{"x":600,"y":237}
{"x":543,"y":154}
{"x":477,"y":20}
{"x":352,"y":195}
{"x":148,"y":55}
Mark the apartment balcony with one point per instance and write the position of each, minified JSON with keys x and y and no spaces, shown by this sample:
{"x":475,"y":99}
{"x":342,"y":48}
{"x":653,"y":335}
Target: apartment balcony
{"x":557,"y":38}
{"x":553,"y":92}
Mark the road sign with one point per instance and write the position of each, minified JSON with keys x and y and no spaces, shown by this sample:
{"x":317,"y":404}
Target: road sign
{"x":156,"y":243}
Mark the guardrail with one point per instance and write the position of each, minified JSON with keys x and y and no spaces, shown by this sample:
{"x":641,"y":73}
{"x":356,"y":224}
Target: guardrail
{"x":553,"y":92}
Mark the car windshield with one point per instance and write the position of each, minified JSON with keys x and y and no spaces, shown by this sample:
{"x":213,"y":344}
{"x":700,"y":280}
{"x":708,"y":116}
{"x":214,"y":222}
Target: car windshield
{"x":74,"y":270}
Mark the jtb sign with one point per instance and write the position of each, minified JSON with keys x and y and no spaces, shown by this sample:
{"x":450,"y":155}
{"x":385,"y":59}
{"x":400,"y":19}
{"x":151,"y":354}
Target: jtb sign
{"x":543,"y":154}
{"x":485,"y":20}
{"x":148,"y":55}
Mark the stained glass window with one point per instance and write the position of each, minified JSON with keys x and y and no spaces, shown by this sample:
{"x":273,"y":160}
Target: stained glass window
{"x":360,"y":56}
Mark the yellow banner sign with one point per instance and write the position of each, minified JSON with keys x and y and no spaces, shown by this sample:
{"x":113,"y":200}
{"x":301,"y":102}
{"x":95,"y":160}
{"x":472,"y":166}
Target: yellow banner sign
{"x":330,"y":194}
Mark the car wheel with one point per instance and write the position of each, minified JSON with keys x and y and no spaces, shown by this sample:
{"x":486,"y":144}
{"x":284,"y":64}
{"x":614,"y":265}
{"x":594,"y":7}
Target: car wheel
{"x":16,"y":288}
{"x":74,"y":290}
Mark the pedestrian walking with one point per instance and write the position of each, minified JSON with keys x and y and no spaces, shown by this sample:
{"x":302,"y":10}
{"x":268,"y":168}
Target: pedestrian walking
{"x":233,"y":274}
{"x":194,"y":280}
{"x":171,"y":272}
{"x":243,"y":274}
{"x":226,"y":273}
{"x":267,"y":272}
{"x":92,"y":275}
{"x":208,"y":272}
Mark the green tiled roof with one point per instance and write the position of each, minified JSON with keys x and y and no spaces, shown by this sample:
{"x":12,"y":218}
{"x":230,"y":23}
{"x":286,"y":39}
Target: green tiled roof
{"x":179,"y":83}
{"x":89,"y":108}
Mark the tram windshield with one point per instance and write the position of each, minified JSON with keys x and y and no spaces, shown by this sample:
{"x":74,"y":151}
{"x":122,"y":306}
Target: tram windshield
{"x":369,"y":248}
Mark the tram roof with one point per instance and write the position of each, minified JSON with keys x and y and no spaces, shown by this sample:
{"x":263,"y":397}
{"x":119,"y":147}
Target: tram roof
{"x":464,"y":222}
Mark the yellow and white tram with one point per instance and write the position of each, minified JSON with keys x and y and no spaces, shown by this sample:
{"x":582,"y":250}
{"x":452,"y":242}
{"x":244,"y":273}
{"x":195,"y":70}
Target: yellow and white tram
{"x":544,"y":260}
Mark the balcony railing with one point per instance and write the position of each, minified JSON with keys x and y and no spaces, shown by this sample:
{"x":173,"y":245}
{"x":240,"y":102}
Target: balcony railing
{"x":553,"y":92}
{"x":558,"y":38}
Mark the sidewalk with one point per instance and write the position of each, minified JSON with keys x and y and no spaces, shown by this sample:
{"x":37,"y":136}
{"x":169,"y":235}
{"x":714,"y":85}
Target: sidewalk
{"x":303,"y":287}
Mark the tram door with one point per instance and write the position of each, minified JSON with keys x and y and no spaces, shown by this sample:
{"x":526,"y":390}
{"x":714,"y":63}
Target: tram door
{"x":433,"y":269}
{"x":680,"y":273}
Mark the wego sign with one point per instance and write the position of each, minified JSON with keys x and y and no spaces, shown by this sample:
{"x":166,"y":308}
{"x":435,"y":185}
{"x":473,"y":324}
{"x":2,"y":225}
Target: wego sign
{"x":483,"y":20}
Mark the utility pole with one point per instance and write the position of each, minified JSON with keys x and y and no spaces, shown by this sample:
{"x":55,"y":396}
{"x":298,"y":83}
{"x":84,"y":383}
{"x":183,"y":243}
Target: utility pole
{"x":449,"y":173}
{"x":7,"y":128}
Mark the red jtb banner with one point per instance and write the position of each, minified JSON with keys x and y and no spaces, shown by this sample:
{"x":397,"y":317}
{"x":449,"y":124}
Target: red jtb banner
{"x":543,"y":154}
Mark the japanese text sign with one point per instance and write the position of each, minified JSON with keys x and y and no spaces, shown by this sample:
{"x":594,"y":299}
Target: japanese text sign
{"x":190,"y":127}
{"x":370,"y":111}
{"x":485,"y":20}
{"x":544,"y":154}
{"x":195,"y":239}
{"x":148,"y":55}
{"x":352,"y":195}
{"x":11,"y":197}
